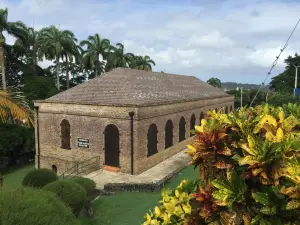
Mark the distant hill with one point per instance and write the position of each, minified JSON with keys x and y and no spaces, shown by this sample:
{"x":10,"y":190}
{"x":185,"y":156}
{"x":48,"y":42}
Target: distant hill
{"x":233,"y":85}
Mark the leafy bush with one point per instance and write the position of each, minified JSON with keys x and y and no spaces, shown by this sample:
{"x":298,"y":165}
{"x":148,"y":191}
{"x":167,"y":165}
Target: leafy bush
{"x":279,"y":99}
{"x":69,"y":192}
{"x":28,"y":206}
{"x":249,"y":168}
{"x":88,"y":184}
{"x":14,"y":141}
{"x":175,"y":207}
{"x":38,"y":178}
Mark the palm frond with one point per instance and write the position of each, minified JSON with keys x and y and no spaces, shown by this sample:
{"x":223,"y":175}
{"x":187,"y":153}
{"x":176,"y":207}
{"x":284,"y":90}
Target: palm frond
{"x":14,"y":106}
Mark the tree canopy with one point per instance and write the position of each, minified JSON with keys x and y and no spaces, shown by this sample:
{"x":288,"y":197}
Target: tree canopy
{"x":285,"y":81}
{"x":75,"y":61}
{"x":214,"y":82}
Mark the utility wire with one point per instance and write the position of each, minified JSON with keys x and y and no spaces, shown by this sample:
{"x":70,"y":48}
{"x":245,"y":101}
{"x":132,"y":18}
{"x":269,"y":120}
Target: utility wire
{"x":275,"y":62}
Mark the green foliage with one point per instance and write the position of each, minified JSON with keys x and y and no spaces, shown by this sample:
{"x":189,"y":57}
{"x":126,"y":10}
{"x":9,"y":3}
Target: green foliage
{"x":28,"y":206}
{"x":214,"y":82}
{"x":1,"y":180}
{"x":174,"y":208}
{"x":229,"y":190}
{"x":279,"y":99}
{"x":69,"y":192}
{"x":88,"y":184}
{"x":285,"y":81}
{"x":38,"y":178}
{"x":250,"y":167}
{"x":38,"y":87}
{"x":15,"y":140}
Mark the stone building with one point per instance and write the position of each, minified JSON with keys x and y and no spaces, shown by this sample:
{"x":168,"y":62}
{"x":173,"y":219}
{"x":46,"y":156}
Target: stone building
{"x":129,"y":119}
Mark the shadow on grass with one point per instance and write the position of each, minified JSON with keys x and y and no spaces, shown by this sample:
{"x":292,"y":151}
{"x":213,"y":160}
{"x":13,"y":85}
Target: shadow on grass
{"x":128,"y":208}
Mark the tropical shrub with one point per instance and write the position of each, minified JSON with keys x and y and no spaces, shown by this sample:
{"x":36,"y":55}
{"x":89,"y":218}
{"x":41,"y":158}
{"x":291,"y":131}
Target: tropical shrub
{"x":69,"y":192}
{"x":175,"y":207}
{"x":38,"y":178}
{"x":29,"y":206}
{"x":15,"y":140}
{"x":249,"y":166}
{"x":88,"y":184}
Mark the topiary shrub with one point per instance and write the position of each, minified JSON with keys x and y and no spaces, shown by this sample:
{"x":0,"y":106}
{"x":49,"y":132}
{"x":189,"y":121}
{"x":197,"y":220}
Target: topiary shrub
{"x":38,"y":178}
{"x":29,"y":206}
{"x":69,"y":192}
{"x":88,"y":184}
{"x":249,"y":165}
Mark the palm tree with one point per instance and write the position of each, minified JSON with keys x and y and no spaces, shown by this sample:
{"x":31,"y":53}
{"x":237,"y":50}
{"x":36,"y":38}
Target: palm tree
{"x":16,"y":29}
{"x":95,"y":46}
{"x":30,"y":44}
{"x":14,"y":108}
{"x":69,"y":56}
{"x":53,"y":43}
{"x":214,"y":82}
{"x":142,"y":63}
{"x":118,"y":58}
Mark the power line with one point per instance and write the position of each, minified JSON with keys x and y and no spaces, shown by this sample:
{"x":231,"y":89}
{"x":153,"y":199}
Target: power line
{"x":275,"y":62}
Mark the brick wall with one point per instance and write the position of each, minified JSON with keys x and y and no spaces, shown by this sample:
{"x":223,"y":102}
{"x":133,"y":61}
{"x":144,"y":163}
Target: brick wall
{"x":90,"y":122}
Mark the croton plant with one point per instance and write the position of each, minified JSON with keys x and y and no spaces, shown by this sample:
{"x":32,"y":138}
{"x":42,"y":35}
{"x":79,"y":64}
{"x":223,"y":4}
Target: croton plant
{"x":249,"y":163}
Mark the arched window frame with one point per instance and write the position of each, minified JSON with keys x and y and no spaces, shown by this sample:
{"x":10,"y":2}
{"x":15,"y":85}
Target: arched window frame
{"x":181,"y":134}
{"x":192,"y":124}
{"x":169,"y":134}
{"x":65,"y":132}
{"x":202,"y":116}
{"x":152,"y":130}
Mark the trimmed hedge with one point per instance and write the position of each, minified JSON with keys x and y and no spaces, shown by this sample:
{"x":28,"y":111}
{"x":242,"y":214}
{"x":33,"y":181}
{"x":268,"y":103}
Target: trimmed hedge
{"x":38,"y":178}
{"x":29,"y":206}
{"x":69,"y":192}
{"x":88,"y":184}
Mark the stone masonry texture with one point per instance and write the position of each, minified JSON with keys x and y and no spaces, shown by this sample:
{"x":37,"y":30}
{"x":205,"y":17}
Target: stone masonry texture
{"x":89,"y":121}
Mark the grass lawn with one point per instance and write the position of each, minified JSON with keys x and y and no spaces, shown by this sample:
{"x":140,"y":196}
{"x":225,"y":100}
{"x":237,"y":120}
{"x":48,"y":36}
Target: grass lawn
{"x":14,"y":177}
{"x":129,"y":208}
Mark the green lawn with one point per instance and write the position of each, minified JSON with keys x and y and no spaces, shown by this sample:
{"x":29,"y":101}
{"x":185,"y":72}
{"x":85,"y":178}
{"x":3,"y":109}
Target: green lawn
{"x":14,"y":177}
{"x":129,"y":208}
{"x":121,"y":209}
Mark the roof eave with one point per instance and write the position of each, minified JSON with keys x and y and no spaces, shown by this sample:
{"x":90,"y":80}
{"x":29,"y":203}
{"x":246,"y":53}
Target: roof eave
{"x":134,"y":105}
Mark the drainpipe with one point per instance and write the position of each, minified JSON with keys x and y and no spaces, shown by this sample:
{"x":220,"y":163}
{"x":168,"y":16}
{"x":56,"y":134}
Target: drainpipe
{"x":131,"y":114}
{"x":38,"y":134}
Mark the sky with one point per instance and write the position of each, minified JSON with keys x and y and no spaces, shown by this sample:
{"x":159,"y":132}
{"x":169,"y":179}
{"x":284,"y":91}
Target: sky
{"x":233,"y":40}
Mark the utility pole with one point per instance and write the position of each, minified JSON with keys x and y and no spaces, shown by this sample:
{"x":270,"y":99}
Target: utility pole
{"x":296,"y":77}
{"x":241,"y":88}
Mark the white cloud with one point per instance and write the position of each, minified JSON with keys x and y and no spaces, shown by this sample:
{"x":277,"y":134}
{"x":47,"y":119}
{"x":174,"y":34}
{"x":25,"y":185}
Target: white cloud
{"x":211,"y":40}
{"x":232,"y":40}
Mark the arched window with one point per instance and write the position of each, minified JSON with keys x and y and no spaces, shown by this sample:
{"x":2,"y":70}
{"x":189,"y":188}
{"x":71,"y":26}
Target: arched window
{"x":231,"y":108}
{"x":169,"y":134}
{"x":65,"y":134}
{"x":152,"y":140}
{"x":201,"y":117}
{"x":181,"y":129}
{"x":192,"y":124}
{"x":226,"y":109}
{"x":54,"y":168}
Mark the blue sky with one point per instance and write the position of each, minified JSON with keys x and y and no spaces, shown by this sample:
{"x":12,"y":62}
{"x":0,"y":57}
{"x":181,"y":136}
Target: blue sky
{"x":233,"y":40}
